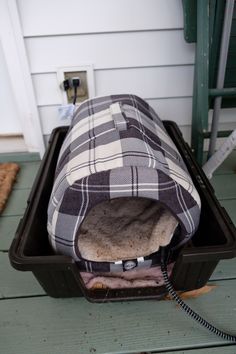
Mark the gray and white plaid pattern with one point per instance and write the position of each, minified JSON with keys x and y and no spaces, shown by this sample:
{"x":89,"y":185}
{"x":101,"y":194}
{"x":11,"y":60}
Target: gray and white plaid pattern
{"x":117,"y":147}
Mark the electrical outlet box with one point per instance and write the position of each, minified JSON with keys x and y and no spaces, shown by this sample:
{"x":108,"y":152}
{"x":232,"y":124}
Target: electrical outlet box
{"x":82,"y":91}
{"x":85,"y":90}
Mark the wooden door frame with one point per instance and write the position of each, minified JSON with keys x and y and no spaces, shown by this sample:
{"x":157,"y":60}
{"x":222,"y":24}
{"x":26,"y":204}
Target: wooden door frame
{"x":18,"y":68}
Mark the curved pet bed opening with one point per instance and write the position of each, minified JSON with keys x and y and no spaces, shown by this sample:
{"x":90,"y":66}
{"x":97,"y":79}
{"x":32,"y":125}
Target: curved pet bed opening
{"x":124,"y":229}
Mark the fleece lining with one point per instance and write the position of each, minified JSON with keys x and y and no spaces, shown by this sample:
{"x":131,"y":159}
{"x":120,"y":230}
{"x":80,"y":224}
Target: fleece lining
{"x":124,"y":229}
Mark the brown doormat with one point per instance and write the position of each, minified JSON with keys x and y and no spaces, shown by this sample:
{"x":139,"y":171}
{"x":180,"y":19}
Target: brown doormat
{"x":8,"y":172}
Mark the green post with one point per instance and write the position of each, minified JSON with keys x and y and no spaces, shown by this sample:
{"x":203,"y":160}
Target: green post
{"x":200,"y":94}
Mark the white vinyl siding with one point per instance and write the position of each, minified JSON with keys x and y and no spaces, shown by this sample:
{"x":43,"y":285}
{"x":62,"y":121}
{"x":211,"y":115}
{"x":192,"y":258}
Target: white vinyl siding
{"x":43,"y":18}
{"x":135,"y":46}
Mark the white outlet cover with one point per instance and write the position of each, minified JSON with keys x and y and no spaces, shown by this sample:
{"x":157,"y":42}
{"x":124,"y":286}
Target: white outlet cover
{"x":90,"y":79}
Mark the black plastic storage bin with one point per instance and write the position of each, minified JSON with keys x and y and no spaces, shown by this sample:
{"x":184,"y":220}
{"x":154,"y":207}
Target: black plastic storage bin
{"x":59,"y":275}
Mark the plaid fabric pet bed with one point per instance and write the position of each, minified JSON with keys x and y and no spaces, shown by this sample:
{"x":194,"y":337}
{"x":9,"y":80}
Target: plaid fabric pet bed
{"x":117,"y":147}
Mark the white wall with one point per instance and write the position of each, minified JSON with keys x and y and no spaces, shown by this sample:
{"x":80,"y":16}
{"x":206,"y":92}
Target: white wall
{"x":136,"y":46}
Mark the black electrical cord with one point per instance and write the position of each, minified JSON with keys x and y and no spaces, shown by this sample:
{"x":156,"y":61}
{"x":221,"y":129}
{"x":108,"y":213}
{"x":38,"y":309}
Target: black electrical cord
{"x":75,"y":95}
{"x":187,"y":309}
